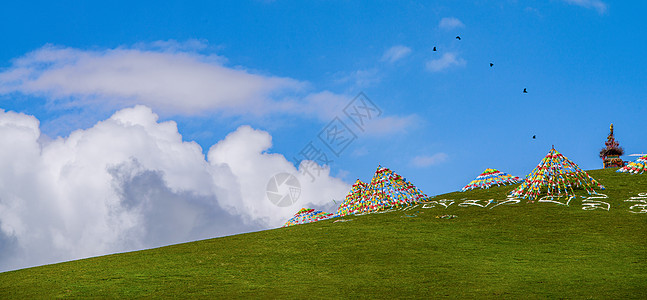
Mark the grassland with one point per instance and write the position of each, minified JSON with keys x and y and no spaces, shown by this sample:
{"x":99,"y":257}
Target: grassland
{"x":539,"y":250}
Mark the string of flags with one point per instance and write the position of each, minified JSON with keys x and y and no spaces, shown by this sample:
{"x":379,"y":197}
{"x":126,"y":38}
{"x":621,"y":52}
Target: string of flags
{"x":489,"y":178}
{"x":308,"y":215}
{"x":555,"y":174}
{"x":386,"y":190}
{"x":356,"y":193}
{"x":558,"y":176}
{"x":635,"y":167}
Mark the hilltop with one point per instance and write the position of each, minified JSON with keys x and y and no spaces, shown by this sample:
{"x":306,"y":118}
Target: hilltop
{"x":489,"y":249}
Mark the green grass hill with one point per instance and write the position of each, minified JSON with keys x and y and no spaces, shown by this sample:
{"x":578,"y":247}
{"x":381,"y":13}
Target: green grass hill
{"x":491,"y":249}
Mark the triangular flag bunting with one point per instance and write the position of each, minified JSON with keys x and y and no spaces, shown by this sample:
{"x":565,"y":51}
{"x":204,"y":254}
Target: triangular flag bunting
{"x":489,"y":178}
{"x":635,"y":167}
{"x":558,"y":176}
{"x":387,"y":189}
{"x":353,"y":198}
{"x":308,"y":215}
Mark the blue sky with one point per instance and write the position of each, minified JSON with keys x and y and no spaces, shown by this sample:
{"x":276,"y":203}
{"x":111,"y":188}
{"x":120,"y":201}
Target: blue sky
{"x":288,"y":68}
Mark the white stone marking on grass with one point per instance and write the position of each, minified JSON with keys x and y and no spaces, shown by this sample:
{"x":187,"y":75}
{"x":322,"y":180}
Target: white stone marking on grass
{"x":556,"y":200}
{"x":510,"y":200}
{"x":596,"y":196}
{"x":589,"y":204}
{"x":412,"y":207}
{"x":642,"y":203}
{"x":444,"y":202}
{"x":467,"y":203}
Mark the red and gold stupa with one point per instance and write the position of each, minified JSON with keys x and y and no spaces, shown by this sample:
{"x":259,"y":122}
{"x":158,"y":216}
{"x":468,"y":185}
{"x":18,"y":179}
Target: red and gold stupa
{"x":612,"y":151}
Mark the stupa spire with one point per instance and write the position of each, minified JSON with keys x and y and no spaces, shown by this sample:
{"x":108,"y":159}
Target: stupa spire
{"x":612,"y":151}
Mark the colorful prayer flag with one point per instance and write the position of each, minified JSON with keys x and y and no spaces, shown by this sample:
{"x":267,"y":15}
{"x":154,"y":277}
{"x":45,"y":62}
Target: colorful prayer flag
{"x":558,"y":176}
{"x":635,"y":167}
{"x":490,"y":177}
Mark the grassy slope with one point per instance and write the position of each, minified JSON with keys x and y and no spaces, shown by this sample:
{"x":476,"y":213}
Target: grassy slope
{"x":524,"y":250}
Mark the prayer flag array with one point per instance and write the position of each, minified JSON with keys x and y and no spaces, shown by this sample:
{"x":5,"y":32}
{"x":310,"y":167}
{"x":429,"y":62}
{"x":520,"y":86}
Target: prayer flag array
{"x":489,"y":178}
{"x":308,"y":215}
{"x":386,"y":190}
{"x":635,"y":167}
{"x":558,"y":175}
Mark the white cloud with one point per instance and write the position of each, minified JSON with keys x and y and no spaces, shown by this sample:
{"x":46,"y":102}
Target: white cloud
{"x":423,"y":161}
{"x":598,"y":5}
{"x":390,"y":125}
{"x":167,"y":76}
{"x":395,"y":53}
{"x":325,"y":105}
{"x":359,"y":78}
{"x":361,"y":151}
{"x":448,"y":59}
{"x":450,"y":23}
{"x":130,"y":182}
{"x":170,"y":77}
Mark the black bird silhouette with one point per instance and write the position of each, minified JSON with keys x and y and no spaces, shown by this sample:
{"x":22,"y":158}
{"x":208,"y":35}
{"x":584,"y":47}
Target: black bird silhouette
{"x":525,"y":91}
{"x":434,"y":49}
{"x":491,"y":64}
{"x":458,"y":37}
{"x":534,"y":136}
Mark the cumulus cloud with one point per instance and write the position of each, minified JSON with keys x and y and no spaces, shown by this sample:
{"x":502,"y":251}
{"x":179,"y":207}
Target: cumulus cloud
{"x":395,"y":53}
{"x":598,"y":5}
{"x":423,"y":161}
{"x":449,"y":59}
{"x":130,"y":182}
{"x":450,"y":23}
{"x":167,"y":76}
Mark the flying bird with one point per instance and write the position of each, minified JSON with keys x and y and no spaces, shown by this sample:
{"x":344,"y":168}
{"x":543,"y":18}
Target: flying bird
{"x":525,"y":91}
{"x":491,"y":65}
{"x":534,"y":137}
{"x":458,"y":37}
{"x":434,"y":49}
